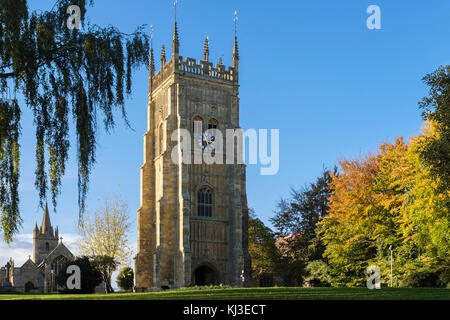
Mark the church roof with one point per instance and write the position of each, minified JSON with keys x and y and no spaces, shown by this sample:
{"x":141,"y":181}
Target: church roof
{"x":29,"y":264}
{"x":60,"y":249}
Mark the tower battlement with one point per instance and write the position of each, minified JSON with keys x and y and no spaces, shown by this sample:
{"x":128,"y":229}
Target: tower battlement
{"x":190,"y":66}
{"x":203,"y":69}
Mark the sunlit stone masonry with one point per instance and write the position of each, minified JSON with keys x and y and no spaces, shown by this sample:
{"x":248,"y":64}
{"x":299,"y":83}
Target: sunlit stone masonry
{"x":193,"y":218}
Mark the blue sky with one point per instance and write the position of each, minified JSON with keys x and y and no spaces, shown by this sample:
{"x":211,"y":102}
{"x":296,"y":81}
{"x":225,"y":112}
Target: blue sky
{"x":312,"y":69}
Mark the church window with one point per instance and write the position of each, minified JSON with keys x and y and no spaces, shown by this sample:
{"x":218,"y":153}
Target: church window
{"x":58,"y":264}
{"x":213,"y":124}
{"x":204,"y":202}
{"x":199,"y":121}
{"x":47,"y":246}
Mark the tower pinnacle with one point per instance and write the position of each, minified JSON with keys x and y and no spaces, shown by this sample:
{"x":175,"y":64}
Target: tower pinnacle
{"x":163,"y":56}
{"x":235,"y":46}
{"x":175,"y":40}
{"x":206,"y":50}
{"x":151,"y":64}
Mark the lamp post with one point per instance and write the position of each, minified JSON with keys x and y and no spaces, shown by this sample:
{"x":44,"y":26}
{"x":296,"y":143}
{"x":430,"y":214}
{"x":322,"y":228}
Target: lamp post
{"x":390,"y":248}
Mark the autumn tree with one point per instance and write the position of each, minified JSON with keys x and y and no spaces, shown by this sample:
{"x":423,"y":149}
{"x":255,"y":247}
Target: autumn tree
{"x":383,"y":200}
{"x":62,"y":73}
{"x":345,"y":231}
{"x":425,"y":224}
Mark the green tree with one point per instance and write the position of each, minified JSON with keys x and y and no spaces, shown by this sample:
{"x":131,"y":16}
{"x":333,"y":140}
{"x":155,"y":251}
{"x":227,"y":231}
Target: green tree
{"x":125,"y":279}
{"x":436,"y":106}
{"x":262,"y":249}
{"x":318,"y":274}
{"x":299,"y":215}
{"x":61,"y":73}
{"x":106,"y":265}
{"x":90,"y":276}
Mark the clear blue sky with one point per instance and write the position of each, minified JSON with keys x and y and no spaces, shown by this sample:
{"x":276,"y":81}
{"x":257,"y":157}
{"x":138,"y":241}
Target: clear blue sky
{"x":309,"y":68}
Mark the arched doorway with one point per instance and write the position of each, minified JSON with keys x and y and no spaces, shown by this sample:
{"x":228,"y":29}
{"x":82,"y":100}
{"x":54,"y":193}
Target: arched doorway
{"x":29,"y":286}
{"x":204,"y":276}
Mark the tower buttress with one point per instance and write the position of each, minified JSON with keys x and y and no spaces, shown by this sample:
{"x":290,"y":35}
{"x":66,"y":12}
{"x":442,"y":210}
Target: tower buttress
{"x":36,"y":244}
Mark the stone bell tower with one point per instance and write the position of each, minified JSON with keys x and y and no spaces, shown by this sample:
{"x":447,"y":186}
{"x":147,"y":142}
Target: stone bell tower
{"x":192,"y":220}
{"x":44,"y":238}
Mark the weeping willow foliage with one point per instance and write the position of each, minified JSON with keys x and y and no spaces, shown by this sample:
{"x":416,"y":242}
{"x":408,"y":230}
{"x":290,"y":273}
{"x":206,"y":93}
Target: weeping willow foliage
{"x":9,"y":165}
{"x":61,"y":73}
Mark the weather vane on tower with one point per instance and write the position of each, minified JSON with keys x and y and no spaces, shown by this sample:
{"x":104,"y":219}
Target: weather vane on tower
{"x":235,"y":22}
{"x":151,"y":35}
{"x":175,"y":8}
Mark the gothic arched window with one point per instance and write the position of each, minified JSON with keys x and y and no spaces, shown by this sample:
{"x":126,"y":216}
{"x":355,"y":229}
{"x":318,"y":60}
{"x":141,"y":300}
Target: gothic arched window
{"x":197,"y":121}
{"x":47,"y":246}
{"x":213,"y":124}
{"x":58,"y":264}
{"x":204,"y":202}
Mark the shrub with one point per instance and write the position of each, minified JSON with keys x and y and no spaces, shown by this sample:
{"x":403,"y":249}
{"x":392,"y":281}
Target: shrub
{"x":90,"y":277}
{"x":125,"y":279}
{"x":318,"y":274}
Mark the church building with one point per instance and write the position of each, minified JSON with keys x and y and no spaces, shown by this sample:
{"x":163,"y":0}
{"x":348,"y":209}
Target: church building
{"x":38,"y":273}
{"x":193,"y":217}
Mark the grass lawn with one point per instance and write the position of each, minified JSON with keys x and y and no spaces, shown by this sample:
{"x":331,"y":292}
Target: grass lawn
{"x":258,"y":294}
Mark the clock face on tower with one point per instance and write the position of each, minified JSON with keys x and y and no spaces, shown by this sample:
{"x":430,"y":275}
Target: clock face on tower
{"x":206,"y":141}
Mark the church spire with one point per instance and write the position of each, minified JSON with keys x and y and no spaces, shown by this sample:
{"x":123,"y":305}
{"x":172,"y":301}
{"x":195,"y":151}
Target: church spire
{"x":46,"y":227}
{"x":206,"y":50}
